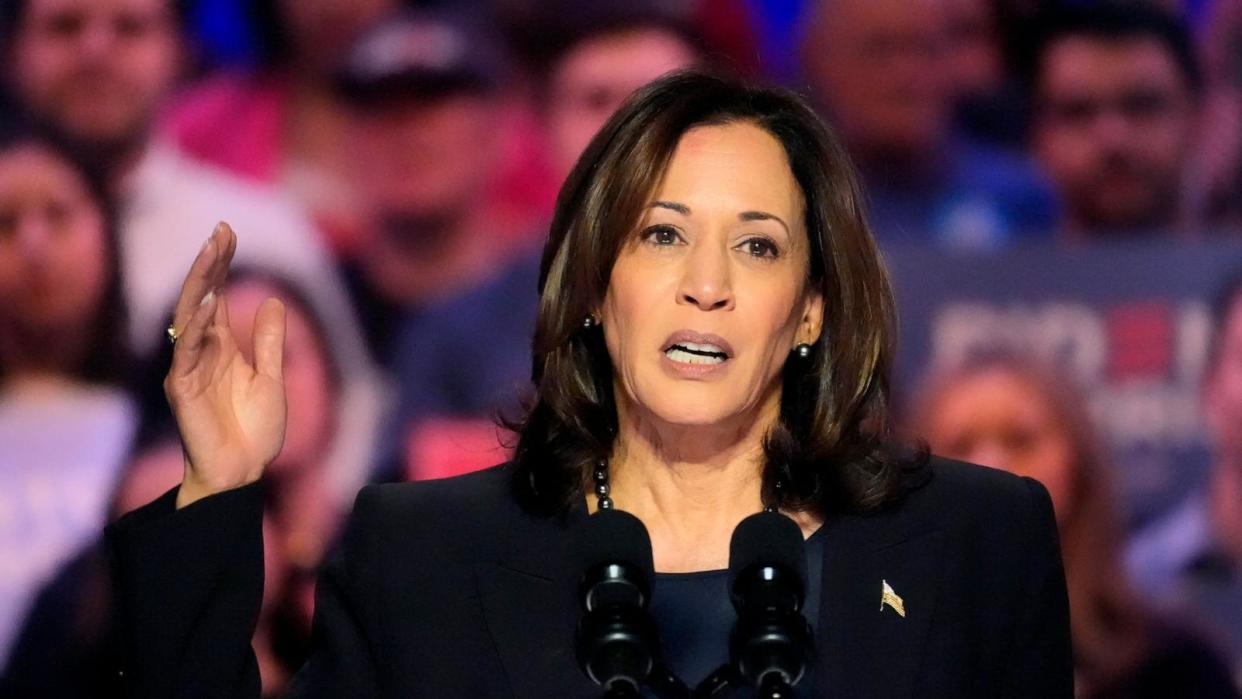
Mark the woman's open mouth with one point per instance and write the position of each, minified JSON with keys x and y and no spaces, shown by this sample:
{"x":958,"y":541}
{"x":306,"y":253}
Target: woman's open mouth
{"x":695,"y":353}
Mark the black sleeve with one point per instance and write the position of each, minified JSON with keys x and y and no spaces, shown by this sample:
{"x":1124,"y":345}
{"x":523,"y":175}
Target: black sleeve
{"x":341,"y":662}
{"x":189,"y":584}
{"x":1041,"y":665}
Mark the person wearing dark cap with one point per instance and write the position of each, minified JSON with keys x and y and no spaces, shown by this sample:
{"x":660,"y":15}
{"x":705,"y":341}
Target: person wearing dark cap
{"x":425,"y":93}
{"x":280,"y":122}
{"x":460,"y":367}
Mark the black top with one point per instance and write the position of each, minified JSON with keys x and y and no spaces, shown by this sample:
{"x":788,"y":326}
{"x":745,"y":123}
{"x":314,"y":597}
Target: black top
{"x":450,"y":589}
{"x":695,"y":616}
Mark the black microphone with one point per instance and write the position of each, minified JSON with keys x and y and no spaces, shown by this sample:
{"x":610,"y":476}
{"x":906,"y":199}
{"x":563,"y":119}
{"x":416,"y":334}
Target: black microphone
{"x":617,"y":645}
{"x":771,"y":644}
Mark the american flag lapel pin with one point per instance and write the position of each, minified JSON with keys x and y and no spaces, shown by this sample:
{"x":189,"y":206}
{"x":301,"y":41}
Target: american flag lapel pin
{"x":889,"y":598}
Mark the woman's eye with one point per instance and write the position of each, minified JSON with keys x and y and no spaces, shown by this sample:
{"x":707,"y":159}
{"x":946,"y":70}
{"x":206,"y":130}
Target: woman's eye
{"x":662,"y":235}
{"x":760,"y":247}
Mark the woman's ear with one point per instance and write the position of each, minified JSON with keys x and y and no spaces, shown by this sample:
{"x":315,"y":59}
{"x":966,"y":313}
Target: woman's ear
{"x":812,"y":322}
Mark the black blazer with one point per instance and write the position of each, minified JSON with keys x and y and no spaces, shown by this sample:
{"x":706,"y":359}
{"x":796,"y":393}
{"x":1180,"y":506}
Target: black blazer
{"x":450,"y":589}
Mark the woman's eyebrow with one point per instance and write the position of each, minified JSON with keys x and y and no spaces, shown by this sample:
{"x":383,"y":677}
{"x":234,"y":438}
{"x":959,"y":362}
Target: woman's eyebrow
{"x":744,"y":216}
{"x":671,"y":205}
{"x":762,"y":216}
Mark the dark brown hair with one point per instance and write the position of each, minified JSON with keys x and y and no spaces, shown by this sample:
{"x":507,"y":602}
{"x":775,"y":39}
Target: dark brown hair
{"x":830,"y":447}
{"x":107,"y":358}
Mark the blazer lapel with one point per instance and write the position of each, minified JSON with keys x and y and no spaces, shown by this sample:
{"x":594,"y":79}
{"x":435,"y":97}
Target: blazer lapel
{"x":866,"y":647}
{"x":528,"y":590}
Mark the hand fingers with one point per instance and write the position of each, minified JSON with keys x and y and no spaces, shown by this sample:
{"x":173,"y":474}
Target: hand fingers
{"x":197,"y":282}
{"x":230,"y":243}
{"x":269,"y":339}
{"x":226,"y":245}
{"x":221,"y":317}
{"x":190,"y":344}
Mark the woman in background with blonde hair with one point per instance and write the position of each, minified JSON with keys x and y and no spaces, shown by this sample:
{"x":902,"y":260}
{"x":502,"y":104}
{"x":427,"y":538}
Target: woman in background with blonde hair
{"x":1014,"y":413}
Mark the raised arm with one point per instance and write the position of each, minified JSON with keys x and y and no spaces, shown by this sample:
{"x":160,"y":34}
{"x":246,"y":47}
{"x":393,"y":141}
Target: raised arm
{"x":230,"y":413}
{"x":188,"y":568}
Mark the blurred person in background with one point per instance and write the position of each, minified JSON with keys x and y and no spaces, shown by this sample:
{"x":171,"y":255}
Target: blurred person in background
{"x":595,"y":57}
{"x":1193,"y":555}
{"x":1116,"y":91}
{"x":63,"y":646}
{"x":66,"y":420}
{"x":1012,"y":413}
{"x":470,"y":360}
{"x":98,"y":72}
{"x":884,"y":73}
{"x":1216,"y":187}
{"x":66,"y":645}
{"x":990,"y":105}
{"x":425,"y":94}
{"x":973,"y":44}
{"x":283,"y":123}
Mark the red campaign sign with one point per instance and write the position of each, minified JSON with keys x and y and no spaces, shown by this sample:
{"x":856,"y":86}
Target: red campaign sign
{"x":1140,"y":340}
{"x":1128,"y":321}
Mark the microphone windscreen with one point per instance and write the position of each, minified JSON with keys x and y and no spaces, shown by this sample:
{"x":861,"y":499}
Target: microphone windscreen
{"x":768,"y":539}
{"x":614,"y":536}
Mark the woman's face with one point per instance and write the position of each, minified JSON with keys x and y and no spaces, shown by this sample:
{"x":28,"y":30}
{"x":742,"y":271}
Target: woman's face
{"x":707,"y":300}
{"x":53,"y":243}
{"x":999,"y":419}
{"x":308,"y":383}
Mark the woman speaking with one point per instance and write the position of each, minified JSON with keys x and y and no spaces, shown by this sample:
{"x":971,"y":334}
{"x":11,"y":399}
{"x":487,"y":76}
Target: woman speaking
{"x":714,"y":340}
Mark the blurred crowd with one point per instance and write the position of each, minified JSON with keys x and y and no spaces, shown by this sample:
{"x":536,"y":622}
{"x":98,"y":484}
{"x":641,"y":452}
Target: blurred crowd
{"x":390,"y":168}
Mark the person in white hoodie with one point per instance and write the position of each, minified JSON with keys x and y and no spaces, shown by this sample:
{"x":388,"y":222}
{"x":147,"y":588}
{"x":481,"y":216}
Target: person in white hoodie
{"x":97,"y":72}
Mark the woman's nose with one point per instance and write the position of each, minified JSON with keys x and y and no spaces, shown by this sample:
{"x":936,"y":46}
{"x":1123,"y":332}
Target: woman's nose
{"x":705,"y":280}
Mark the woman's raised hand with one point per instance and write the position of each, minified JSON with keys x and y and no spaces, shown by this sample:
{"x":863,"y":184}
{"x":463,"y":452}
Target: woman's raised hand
{"x":230,"y":413}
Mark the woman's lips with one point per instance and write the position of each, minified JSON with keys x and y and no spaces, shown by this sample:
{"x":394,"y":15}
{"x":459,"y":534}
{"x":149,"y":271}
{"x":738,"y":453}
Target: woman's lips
{"x":690,"y":354}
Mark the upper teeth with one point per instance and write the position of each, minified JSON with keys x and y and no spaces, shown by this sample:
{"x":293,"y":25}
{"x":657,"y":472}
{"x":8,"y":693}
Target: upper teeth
{"x":701,"y":348}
